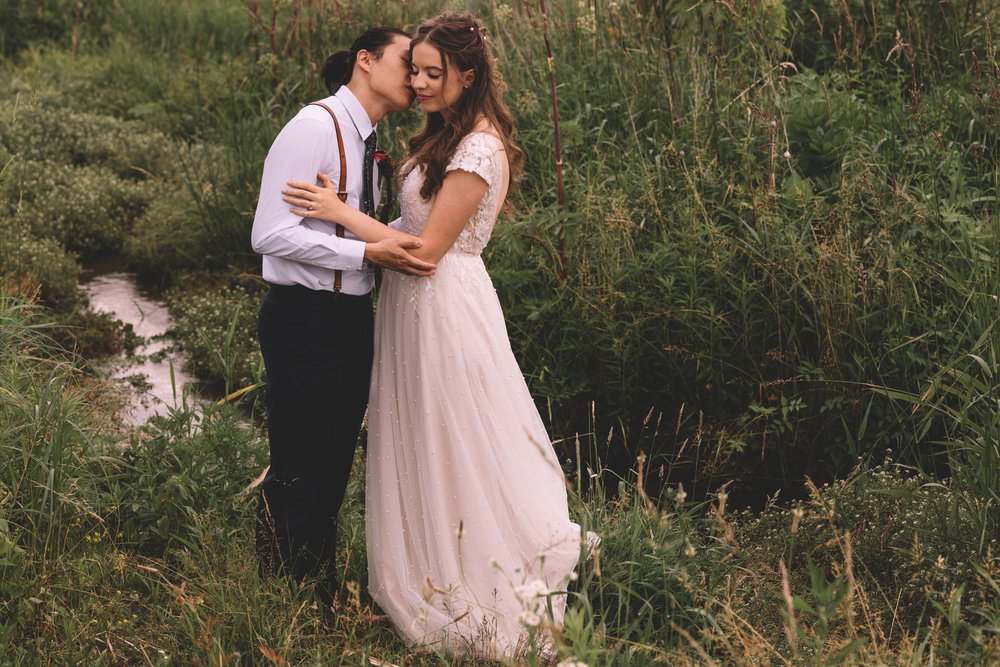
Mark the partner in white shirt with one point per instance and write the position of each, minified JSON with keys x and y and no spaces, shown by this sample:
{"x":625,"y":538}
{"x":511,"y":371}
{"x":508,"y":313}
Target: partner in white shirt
{"x":304,"y":251}
{"x":316,"y":339}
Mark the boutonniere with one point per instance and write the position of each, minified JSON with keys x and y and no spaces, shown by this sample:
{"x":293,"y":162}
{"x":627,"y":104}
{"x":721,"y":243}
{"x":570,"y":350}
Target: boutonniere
{"x":385,"y":164}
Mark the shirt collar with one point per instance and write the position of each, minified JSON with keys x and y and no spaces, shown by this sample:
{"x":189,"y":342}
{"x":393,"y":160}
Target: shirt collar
{"x":358,"y":115}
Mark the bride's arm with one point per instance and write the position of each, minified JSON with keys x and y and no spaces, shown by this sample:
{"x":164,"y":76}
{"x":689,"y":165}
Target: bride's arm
{"x":384,"y":246}
{"x":454,"y":204}
{"x":322,"y":203}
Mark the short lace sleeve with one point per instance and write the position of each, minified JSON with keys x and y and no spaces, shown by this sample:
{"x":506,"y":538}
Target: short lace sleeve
{"x":477,"y":154}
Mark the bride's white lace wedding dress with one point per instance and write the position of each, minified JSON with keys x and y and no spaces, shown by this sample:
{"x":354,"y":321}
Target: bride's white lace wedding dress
{"x":466,"y":513}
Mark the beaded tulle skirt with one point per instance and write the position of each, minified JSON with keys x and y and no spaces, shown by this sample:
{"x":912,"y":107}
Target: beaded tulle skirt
{"x":468,"y":528}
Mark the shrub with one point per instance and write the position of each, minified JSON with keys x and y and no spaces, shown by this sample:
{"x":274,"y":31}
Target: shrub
{"x":43,"y":133}
{"x":198,"y":220}
{"x":25,"y":21}
{"x":915,"y":541}
{"x":29,"y":264}
{"x":93,"y":336}
{"x":218,"y":329}
{"x":185,"y":467}
{"x":169,"y":237}
{"x":88,"y":209}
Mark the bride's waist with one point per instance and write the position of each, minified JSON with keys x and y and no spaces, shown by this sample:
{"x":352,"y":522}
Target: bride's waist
{"x":460,"y":254}
{"x":454,"y":265}
{"x":460,"y":261}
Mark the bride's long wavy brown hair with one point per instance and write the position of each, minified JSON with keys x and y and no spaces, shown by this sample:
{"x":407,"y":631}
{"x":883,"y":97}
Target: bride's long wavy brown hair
{"x":463,"y":44}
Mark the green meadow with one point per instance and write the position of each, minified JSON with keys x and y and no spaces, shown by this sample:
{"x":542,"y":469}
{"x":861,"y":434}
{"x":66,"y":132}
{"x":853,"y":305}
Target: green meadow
{"x":751,"y":274}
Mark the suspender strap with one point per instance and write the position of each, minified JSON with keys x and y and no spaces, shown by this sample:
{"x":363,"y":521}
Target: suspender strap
{"x":341,"y":187}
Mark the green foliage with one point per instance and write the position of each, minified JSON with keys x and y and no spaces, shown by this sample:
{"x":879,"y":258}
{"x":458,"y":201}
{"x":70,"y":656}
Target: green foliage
{"x":730,"y":28}
{"x":960,"y":403}
{"x":42,"y":447}
{"x":93,"y":335}
{"x":75,"y":180}
{"x":746,"y":243}
{"x":55,"y":134}
{"x":195,"y":220}
{"x":145,"y":540}
{"x":88,"y":210}
{"x":822,"y":121}
{"x":24,"y":21}
{"x":923,"y":33}
{"x":31,"y":264}
{"x":654,"y":572}
{"x":183,"y":468}
{"x":909,"y":533}
{"x":218,"y":329}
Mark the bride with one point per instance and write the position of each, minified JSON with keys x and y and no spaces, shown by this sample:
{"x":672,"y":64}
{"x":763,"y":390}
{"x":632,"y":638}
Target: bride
{"x":468,"y":530}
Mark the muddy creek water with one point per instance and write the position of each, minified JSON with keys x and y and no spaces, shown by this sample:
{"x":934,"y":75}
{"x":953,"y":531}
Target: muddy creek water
{"x":146,"y":374}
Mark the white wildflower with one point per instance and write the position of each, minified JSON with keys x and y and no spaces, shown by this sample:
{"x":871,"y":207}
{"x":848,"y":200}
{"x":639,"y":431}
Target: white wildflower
{"x":587,"y":20}
{"x":530,"y":592}
{"x":529,"y":618}
{"x":503,"y":13}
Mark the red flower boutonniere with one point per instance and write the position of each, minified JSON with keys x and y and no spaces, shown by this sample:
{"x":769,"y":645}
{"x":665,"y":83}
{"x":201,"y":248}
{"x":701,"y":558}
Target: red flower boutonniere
{"x":386,"y":165}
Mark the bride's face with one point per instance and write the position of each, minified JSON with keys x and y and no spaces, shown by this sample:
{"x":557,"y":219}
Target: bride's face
{"x":435,"y":88}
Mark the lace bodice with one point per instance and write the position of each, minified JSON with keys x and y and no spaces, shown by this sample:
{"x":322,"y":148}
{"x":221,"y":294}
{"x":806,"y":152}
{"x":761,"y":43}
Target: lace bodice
{"x":478,"y":153}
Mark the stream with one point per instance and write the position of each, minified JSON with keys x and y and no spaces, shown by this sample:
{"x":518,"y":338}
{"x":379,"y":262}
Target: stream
{"x":147,"y":373}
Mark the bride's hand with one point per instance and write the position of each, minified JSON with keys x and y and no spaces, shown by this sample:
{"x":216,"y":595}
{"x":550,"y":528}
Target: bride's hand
{"x":314,"y":201}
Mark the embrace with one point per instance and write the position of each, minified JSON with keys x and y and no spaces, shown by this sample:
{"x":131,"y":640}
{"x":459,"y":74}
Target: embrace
{"x":469,"y":540}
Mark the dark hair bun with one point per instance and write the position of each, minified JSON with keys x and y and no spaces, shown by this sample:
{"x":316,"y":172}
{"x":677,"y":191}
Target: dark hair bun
{"x":337,"y":69}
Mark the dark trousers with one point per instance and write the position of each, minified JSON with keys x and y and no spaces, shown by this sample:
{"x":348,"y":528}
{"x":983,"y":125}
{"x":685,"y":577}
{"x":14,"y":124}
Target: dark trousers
{"x":317,"y":350}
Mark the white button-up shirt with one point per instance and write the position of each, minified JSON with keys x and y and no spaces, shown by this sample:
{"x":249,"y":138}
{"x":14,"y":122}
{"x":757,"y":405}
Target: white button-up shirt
{"x":305,"y":251}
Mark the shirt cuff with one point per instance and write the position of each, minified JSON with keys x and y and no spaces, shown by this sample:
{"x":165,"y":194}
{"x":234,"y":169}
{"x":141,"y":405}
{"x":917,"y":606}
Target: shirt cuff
{"x":353,"y":253}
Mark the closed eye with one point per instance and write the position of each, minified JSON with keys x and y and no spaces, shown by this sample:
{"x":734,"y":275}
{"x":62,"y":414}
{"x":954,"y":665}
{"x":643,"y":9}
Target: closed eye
{"x":432,"y":73}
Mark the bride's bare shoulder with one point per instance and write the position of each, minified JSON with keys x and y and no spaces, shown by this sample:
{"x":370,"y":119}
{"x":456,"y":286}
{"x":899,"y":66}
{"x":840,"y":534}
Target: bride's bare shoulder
{"x":483,"y":126}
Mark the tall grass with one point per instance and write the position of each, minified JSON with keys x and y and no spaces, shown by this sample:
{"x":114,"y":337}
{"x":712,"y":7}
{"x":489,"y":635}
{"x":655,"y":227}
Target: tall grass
{"x":136,"y":548}
{"x":960,"y":402}
{"x":744,"y":235}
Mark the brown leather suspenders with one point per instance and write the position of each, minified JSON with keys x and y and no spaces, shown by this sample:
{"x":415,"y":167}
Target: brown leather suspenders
{"x":341,"y":187}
